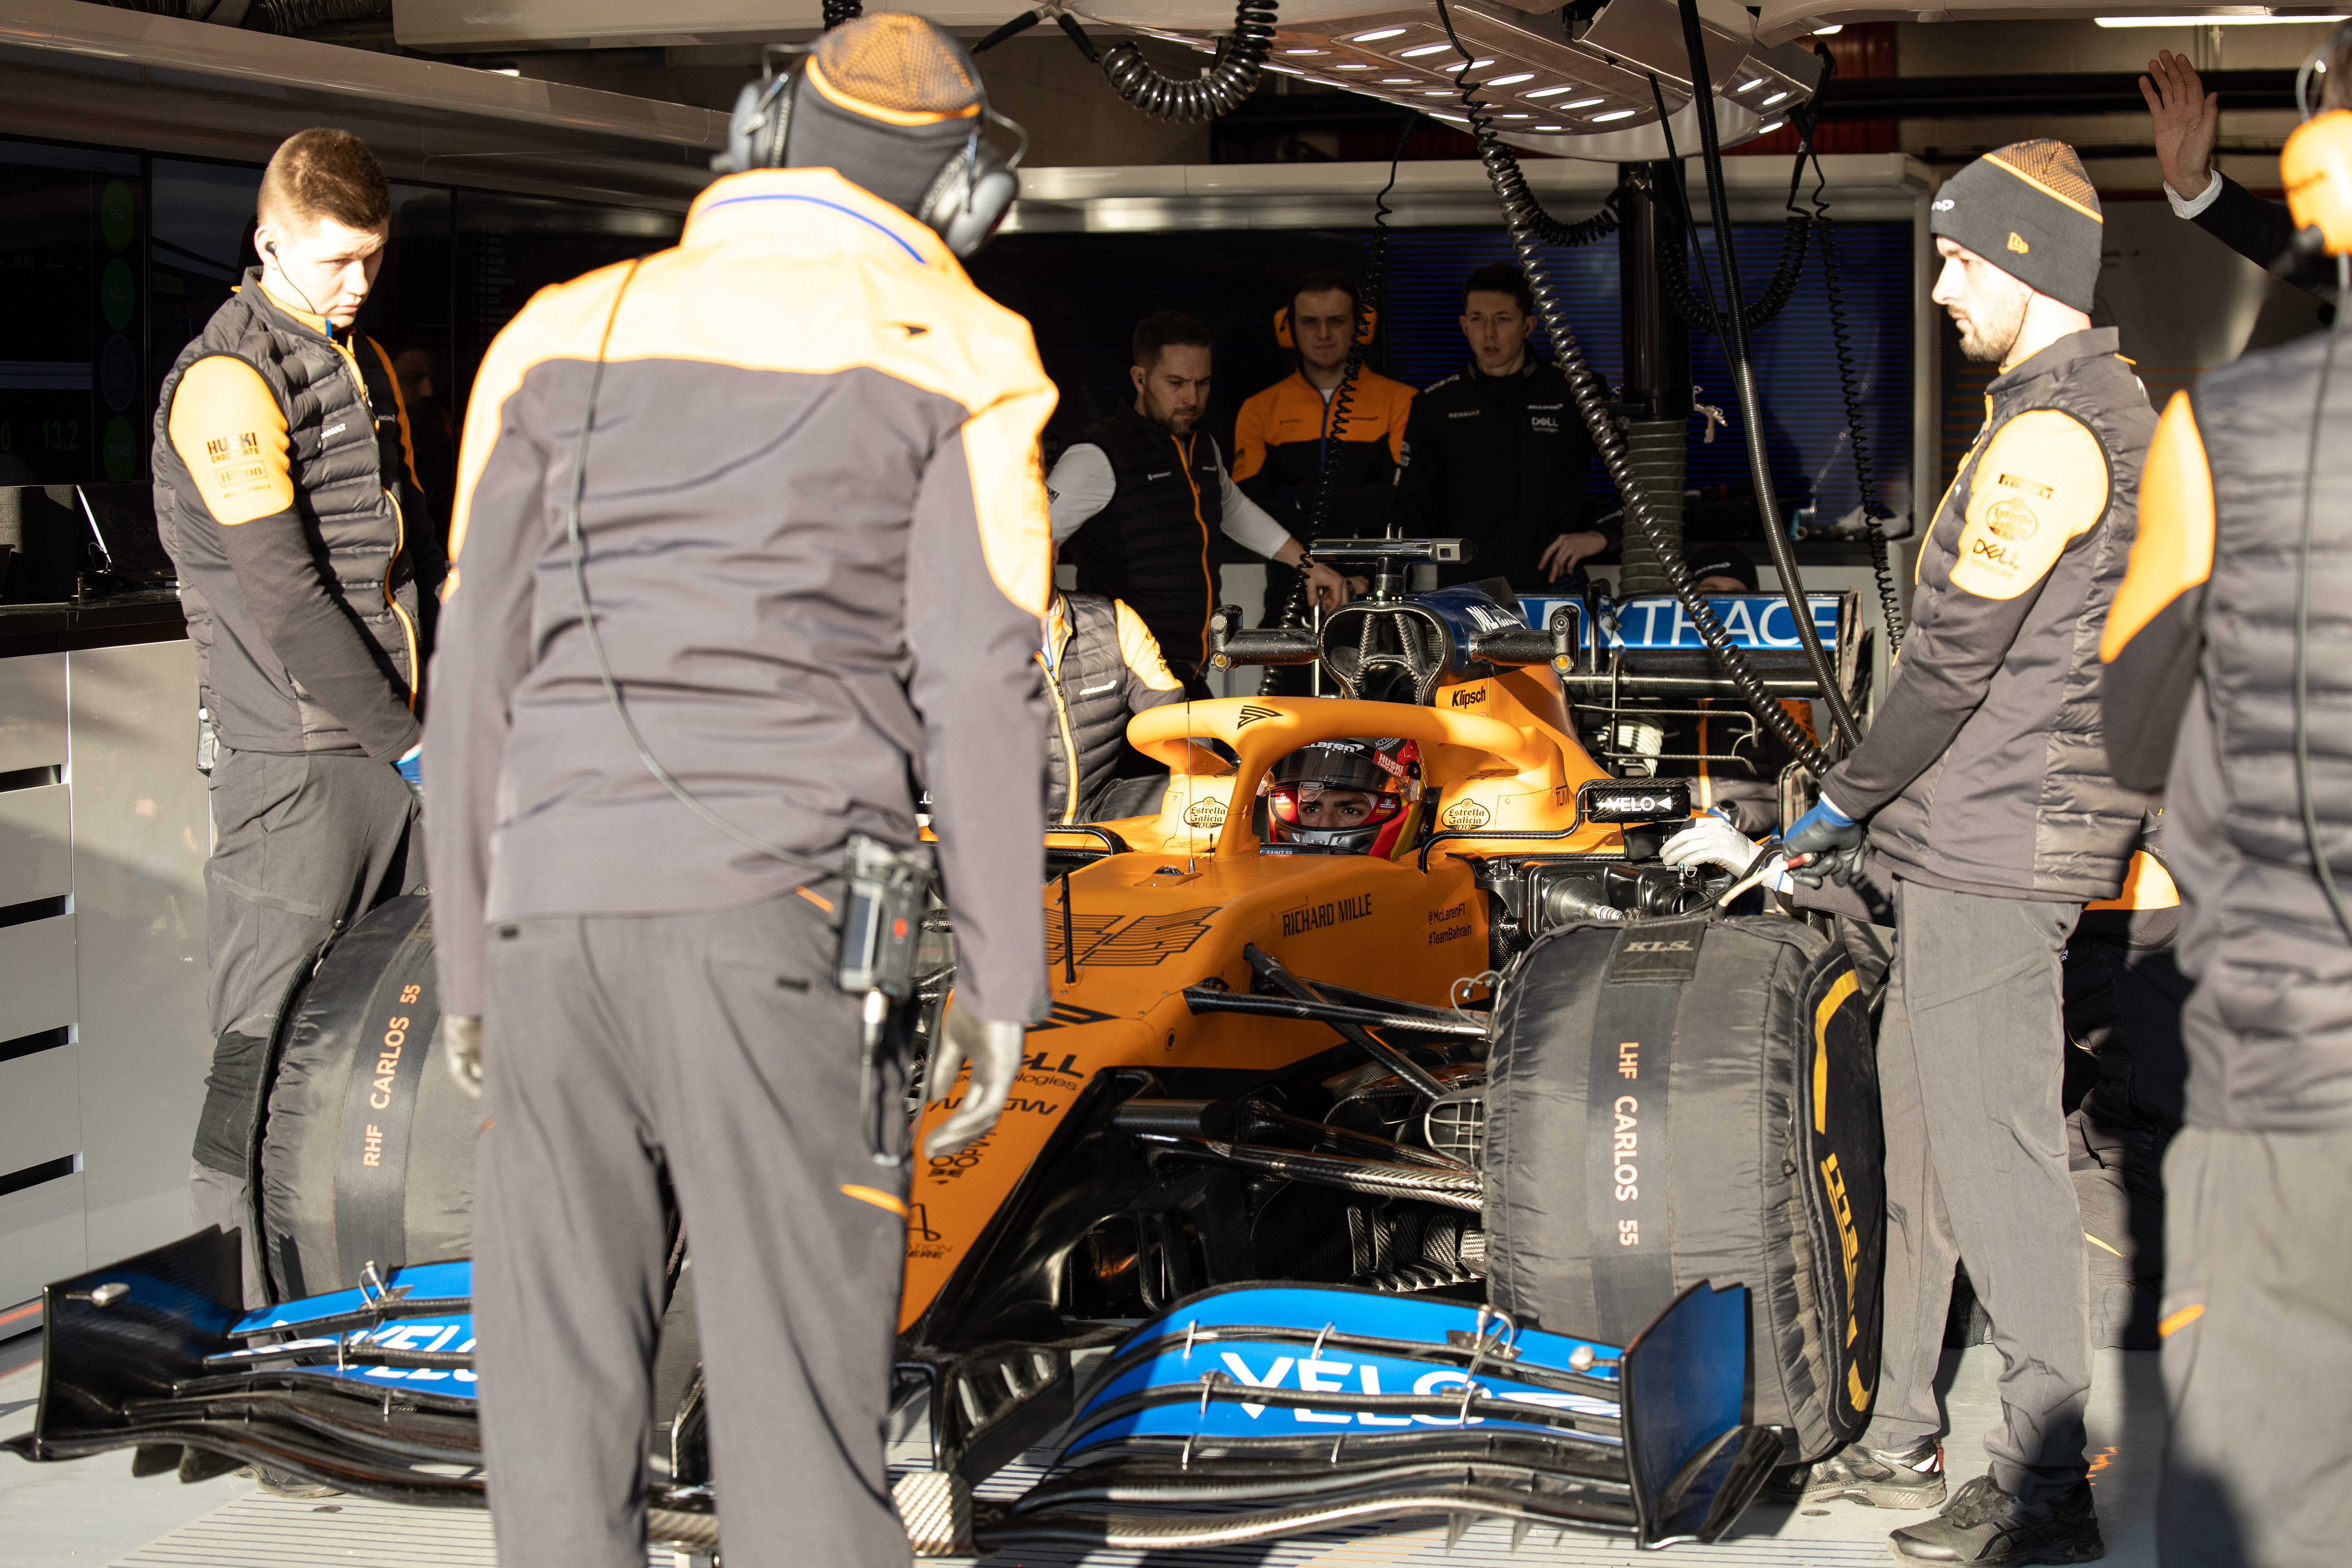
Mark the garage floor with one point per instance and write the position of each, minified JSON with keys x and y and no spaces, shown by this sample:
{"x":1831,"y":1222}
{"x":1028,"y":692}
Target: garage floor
{"x":93,"y":1512}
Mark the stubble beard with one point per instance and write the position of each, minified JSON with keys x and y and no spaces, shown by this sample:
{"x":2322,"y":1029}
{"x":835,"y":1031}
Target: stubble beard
{"x":1991,"y":332}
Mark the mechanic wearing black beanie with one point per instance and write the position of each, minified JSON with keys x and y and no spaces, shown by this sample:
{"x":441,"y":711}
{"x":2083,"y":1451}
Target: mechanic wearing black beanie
{"x":2029,"y":210}
{"x":1991,"y":820}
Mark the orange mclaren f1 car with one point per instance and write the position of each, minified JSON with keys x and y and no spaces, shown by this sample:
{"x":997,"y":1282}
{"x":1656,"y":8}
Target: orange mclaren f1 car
{"x":1296,"y":1215}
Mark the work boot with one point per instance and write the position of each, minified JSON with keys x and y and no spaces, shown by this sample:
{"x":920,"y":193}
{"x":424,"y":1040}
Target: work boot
{"x":1984,"y":1527}
{"x":1911,"y":1478}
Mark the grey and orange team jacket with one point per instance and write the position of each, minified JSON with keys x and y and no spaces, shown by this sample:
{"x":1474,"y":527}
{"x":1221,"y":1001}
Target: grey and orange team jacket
{"x":2200,"y":652}
{"x":294,"y":568}
{"x":1283,"y":434}
{"x":1102,"y":665}
{"x":816,"y":548}
{"x":1986,"y":771}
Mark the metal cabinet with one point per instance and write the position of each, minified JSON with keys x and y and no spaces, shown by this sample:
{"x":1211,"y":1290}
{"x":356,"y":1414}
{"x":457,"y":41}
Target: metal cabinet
{"x":103,"y":1038}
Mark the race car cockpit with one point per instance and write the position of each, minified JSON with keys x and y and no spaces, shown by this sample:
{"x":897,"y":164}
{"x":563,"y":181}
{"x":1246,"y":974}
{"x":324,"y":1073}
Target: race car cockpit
{"x":1350,"y":796}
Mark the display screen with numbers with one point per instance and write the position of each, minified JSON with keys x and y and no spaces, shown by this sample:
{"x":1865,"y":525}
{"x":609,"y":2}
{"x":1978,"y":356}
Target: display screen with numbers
{"x":73,"y":408}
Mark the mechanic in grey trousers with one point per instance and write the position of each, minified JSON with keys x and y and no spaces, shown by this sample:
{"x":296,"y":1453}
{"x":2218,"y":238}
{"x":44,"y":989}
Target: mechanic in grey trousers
{"x":1986,"y":790}
{"x":2201,"y":701}
{"x":812,"y":536}
{"x":276,"y":497}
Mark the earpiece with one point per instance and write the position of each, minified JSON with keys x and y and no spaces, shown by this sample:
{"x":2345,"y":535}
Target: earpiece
{"x":271,"y":247}
{"x":1282,"y":334}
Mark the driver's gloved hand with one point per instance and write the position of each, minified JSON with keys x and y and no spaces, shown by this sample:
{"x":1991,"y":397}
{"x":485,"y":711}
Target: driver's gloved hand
{"x":992,"y":1047}
{"x":1824,"y":842}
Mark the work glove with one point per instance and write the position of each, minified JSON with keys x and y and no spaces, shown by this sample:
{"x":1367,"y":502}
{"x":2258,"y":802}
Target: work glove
{"x":992,"y":1048}
{"x":1826,"y":842}
{"x":1711,"y":840}
{"x":410,"y":769}
{"x":460,"y":1039}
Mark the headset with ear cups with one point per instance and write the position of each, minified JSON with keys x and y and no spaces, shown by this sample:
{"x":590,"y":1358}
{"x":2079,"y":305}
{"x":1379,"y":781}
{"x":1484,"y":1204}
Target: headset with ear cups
{"x":963,"y":205}
{"x":1282,"y":334}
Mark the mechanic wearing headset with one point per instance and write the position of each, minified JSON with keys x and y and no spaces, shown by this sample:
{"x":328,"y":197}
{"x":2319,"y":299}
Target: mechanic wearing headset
{"x":1140,"y":497}
{"x":270,"y":496}
{"x":1496,"y":454}
{"x":1282,"y":434}
{"x":816,"y":552}
{"x":1101,"y":668}
{"x":2203,"y":655}
{"x":1985,"y":786}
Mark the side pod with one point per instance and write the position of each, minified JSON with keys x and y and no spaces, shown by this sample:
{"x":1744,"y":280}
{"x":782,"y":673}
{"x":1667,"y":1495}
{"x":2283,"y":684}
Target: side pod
{"x":1265,"y":1411}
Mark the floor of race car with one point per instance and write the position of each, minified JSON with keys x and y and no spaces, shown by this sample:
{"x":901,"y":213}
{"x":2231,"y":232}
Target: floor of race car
{"x":91,"y":1512}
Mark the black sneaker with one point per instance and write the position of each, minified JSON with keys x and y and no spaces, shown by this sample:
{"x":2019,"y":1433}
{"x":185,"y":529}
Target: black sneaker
{"x":1984,"y":1527}
{"x":1912,"y":1479}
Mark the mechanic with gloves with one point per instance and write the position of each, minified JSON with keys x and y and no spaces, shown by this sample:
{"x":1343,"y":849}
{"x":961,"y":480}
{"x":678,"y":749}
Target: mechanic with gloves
{"x":1284,"y":434}
{"x":1496,"y":454}
{"x":1101,"y":669}
{"x":1140,"y":498}
{"x":1352,"y":796}
{"x":302,"y":602}
{"x":2203,"y":655}
{"x":797,"y":452}
{"x":1985,"y":787}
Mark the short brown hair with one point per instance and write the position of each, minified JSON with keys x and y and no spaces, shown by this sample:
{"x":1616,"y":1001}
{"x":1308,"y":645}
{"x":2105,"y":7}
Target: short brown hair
{"x":325,"y":172}
{"x":1164,"y":330}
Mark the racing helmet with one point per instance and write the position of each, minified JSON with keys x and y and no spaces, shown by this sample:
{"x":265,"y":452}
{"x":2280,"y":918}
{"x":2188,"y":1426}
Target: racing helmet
{"x":1363,"y":796}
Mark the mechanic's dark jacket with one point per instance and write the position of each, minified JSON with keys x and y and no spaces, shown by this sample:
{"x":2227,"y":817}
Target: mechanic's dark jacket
{"x":1280,"y":437}
{"x":1101,"y":666}
{"x":1500,"y":460}
{"x":1153,"y":545}
{"x":818,"y":559}
{"x":2201,"y":702}
{"x":1985,"y":771}
{"x":270,"y":498}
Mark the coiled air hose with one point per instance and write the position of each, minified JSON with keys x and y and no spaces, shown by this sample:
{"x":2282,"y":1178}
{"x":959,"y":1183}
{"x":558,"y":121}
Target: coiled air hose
{"x":1335,"y":420}
{"x":1743,"y":377}
{"x":1775,"y":297}
{"x":1217,"y":90}
{"x":836,"y":12}
{"x":1890,"y":602}
{"x":1591,"y":399}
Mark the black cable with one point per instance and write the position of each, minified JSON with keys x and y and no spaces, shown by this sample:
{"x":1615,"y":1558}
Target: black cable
{"x":1335,"y":420}
{"x":597,"y":642}
{"x":2302,"y":617}
{"x":1220,"y":89}
{"x":1794,"y":239}
{"x":1890,"y":600}
{"x":1743,"y":377}
{"x":1510,"y":182}
{"x":1592,"y":398}
{"x":1013,"y":29}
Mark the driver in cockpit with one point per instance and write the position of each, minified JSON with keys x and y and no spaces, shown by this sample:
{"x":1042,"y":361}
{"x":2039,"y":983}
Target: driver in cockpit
{"x":1352,"y":796}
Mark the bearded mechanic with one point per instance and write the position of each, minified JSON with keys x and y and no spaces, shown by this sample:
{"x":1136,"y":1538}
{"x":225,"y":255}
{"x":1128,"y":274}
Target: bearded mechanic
{"x":799,"y":450}
{"x":1985,"y":787}
{"x":1139,"y":499}
{"x":297,"y":573}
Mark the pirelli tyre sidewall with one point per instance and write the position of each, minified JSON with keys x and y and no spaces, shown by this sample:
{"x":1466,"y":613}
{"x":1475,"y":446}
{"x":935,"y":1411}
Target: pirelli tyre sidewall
{"x":367,"y":1155}
{"x":1681,"y":1101}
